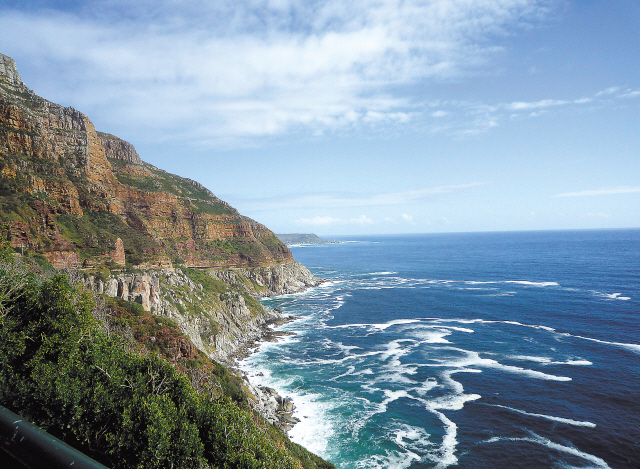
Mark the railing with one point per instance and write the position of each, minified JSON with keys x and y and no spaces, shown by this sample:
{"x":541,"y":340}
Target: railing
{"x":35,"y":448}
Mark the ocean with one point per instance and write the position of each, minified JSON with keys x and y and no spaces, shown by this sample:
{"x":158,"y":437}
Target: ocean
{"x":475,"y":350}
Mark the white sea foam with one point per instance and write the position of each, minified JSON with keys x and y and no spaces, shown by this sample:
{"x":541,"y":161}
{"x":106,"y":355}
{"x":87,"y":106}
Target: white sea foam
{"x":577,"y":423}
{"x":526,"y":372}
{"x":459,"y":329}
{"x":431,"y":336}
{"x":395,"y":322}
{"x":555,"y":446}
{"x":516,"y":323}
{"x":375,"y":327}
{"x":611,"y":296}
{"x":390,"y":459}
{"x":633,"y":347}
{"x":445,"y":456}
{"x":349,"y":371}
{"x":533,"y":284}
{"x":474,"y":359}
{"x":316,"y":427}
{"x":549,"y":361}
{"x":427,"y":386}
{"x":377,"y":408}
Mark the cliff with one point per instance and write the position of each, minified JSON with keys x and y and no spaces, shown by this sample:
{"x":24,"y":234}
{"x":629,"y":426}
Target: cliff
{"x":217,"y":310}
{"x":76,"y":198}
{"x":70,"y":193}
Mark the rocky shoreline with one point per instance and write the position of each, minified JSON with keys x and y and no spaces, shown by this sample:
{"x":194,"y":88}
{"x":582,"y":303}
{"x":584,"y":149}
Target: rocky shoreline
{"x":228,"y":330}
{"x":276,"y":409}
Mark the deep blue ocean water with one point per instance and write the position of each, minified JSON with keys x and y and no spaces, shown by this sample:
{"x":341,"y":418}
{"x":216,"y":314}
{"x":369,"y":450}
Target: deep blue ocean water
{"x":491,"y":350}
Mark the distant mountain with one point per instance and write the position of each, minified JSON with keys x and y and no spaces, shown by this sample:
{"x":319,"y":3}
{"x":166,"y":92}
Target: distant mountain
{"x":302,"y":238}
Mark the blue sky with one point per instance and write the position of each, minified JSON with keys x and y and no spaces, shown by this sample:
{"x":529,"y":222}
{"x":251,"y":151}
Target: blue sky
{"x":378,"y":116}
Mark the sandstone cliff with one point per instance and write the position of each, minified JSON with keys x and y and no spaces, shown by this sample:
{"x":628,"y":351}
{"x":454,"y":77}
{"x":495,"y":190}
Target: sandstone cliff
{"x":70,"y":193}
{"x":85,"y":199}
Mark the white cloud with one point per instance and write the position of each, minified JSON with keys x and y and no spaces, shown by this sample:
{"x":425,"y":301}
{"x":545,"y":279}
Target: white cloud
{"x":342,"y":200}
{"x":522,"y":106}
{"x":361,"y":220}
{"x":254,"y":68}
{"x":605,"y":191}
{"x":326,"y":221}
{"x":472,"y":118}
{"x":318,"y":221}
{"x":406,"y":217}
{"x":608,"y":91}
{"x":630,"y":94}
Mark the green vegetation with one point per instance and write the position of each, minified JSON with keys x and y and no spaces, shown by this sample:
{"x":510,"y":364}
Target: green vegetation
{"x":82,"y":232}
{"x":201,"y":199}
{"x":224,"y":290}
{"x":95,"y":234}
{"x":84,"y":384}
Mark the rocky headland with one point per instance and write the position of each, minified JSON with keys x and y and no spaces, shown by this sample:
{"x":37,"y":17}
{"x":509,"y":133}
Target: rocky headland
{"x":75,"y":198}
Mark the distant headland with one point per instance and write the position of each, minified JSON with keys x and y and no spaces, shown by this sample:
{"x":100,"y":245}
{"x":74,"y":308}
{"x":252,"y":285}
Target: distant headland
{"x":293,"y":239}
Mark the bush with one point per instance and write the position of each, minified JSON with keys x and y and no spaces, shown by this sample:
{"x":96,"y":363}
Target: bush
{"x":124,"y":410}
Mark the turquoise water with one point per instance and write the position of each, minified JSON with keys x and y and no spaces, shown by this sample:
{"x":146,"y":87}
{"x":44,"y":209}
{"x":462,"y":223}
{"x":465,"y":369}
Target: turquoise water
{"x":491,"y":350}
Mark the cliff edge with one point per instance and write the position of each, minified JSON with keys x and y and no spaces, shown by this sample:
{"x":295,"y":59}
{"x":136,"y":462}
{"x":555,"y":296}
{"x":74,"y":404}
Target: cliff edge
{"x":70,"y":192}
{"x":77,"y":198}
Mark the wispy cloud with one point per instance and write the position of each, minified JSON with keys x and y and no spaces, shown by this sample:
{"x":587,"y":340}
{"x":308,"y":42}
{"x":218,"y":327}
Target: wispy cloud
{"x":605,"y":191}
{"x":256,"y":68}
{"x":523,"y":106}
{"x":472,"y":118}
{"x":342,"y":200}
{"x":328,"y":221}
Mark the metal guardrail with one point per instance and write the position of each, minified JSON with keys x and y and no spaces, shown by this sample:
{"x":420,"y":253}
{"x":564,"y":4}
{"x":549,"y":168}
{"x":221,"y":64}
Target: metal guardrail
{"x":35,"y":448}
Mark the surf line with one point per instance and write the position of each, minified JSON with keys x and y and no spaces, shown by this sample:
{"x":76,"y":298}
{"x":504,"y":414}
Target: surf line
{"x":548,"y":417}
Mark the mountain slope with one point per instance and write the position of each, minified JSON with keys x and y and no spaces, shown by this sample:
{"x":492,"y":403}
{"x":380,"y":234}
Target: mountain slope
{"x":70,"y":193}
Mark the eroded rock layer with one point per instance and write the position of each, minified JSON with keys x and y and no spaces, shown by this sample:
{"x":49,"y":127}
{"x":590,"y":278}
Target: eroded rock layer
{"x":70,"y":192}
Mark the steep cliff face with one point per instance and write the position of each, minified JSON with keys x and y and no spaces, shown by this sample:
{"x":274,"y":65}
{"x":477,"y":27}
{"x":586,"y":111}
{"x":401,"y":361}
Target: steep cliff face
{"x":216,"y":309}
{"x":86,"y":199}
{"x":118,"y":149}
{"x":70,"y":193}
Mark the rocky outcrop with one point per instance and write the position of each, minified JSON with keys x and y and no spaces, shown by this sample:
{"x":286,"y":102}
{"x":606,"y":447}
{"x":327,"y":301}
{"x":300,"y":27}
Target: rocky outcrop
{"x":118,"y":256}
{"x":272,"y":406}
{"x":223,"y":323}
{"x":281,"y":279}
{"x":9,"y":71}
{"x":118,"y":149}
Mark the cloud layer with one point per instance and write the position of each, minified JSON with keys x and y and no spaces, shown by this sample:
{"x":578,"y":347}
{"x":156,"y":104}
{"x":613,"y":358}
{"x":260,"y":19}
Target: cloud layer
{"x":343,"y":200}
{"x":605,"y":191}
{"x":256,"y":68}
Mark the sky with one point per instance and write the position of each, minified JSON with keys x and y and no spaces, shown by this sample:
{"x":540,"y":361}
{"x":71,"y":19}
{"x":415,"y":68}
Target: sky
{"x":371,"y":117}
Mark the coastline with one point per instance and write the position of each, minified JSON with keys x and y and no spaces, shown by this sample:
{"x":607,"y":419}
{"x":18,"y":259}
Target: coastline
{"x":283,"y":280}
{"x":275,"y":408}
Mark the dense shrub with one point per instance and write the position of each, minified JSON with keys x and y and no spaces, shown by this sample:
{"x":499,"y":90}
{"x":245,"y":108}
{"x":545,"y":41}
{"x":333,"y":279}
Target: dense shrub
{"x":123,"y":409}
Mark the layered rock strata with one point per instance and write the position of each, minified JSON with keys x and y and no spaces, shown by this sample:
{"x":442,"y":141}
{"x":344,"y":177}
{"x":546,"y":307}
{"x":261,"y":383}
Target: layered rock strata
{"x":63,"y":185}
{"x":85,"y":199}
